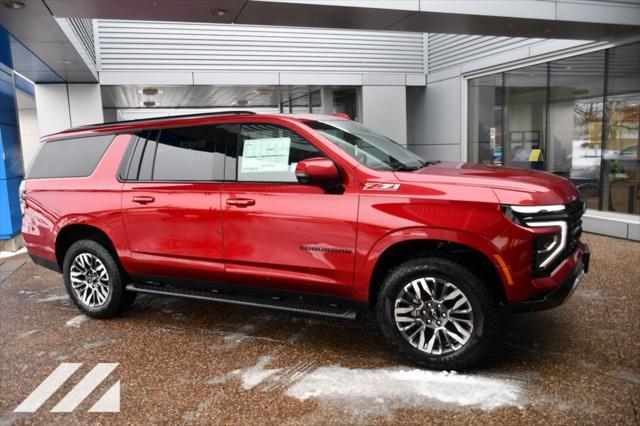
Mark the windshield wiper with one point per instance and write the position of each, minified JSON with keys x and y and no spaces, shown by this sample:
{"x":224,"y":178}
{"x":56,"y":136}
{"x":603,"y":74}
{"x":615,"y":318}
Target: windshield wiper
{"x":405,"y":168}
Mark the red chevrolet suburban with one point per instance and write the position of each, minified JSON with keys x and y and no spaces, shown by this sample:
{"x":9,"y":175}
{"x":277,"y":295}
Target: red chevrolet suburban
{"x":306,"y":213}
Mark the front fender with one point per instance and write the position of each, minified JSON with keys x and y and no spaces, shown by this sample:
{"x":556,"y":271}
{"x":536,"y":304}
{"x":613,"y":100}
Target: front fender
{"x":367,"y":263}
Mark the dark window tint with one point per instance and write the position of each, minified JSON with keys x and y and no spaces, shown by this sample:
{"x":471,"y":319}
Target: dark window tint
{"x":69,"y":157}
{"x":230,"y":165}
{"x":185,"y":154}
{"x":132,"y":156}
{"x":269,"y":153}
{"x":146,"y":164}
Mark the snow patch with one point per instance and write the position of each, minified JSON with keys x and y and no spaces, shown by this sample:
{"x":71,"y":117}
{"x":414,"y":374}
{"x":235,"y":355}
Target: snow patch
{"x":26,"y":334}
{"x":626,"y":375}
{"x":255,"y":375}
{"x":404,"y":388}
{"x":53,"y":298}
{"x":380,"y":391}
{"x":76,"y":321}
{"x":5,"y":254}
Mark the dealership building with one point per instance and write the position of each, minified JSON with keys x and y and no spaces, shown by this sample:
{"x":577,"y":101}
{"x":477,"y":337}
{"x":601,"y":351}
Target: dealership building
{"x":540,"y":84}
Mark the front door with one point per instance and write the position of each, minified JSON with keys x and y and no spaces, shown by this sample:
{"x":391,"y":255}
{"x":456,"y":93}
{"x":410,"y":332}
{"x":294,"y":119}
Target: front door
{"x":171,"y":203}
{"x":278,"y":232}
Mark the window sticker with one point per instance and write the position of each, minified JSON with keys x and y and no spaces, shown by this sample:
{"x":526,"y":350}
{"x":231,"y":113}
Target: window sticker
{"x":265,"y":155}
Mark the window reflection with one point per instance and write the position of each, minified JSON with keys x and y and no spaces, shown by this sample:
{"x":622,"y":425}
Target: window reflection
{"x":621,"y":175}
{"x":576,"y":90}
{"x":525,"y":108}
{"x":485,"y":119}
{"x":577,"y":117}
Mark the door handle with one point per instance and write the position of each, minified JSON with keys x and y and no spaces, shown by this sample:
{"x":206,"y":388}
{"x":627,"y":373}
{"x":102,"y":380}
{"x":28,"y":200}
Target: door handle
{"x":241,"y":202}
{"x":143,"y":199}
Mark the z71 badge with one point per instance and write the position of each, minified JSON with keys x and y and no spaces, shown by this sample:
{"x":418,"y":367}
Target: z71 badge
{"x":381,"y":186}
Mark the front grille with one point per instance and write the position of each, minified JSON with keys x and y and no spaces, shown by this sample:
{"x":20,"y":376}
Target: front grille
{"x":574,"y":212}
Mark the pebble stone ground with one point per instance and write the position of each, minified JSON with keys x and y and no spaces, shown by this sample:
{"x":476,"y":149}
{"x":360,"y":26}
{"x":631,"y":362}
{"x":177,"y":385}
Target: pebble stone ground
{"x":191,"y":362}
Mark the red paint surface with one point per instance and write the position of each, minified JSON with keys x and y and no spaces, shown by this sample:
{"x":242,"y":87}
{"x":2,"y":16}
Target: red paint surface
{"x":293,"y":236}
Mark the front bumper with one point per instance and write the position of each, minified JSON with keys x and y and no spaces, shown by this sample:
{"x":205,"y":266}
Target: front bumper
{"x":558,"y":296}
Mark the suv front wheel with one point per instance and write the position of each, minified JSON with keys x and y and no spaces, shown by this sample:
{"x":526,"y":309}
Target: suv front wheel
{"x":94,"y":281}
{"x":436,"y":313}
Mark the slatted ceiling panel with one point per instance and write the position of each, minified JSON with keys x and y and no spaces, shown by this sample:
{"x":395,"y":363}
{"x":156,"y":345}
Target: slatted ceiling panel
{"x":143,"y":45}
{"x":201,"y":96}
{"x":448,"y":50}
{"x":83,"y":29}
{"x":623,"y":62}
{"x":575,"y":67}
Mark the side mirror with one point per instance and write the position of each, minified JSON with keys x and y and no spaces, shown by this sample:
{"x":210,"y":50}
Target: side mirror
{"x":317,"y":170}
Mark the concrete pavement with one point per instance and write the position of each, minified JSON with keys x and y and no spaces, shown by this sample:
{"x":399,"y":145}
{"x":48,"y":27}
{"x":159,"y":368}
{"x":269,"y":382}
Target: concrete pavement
{"x":191,"y":362}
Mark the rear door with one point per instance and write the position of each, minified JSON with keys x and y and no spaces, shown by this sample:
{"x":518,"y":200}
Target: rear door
{"x":278,"y":232}
{"x":171,"y":203}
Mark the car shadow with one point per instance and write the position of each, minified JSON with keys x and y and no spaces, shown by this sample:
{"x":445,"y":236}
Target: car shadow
{"x":521,"y":338}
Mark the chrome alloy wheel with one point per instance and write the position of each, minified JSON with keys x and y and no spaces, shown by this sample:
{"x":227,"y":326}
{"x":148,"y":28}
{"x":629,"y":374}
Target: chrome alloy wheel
{"x":90,"y":280}
{"x":434,"y":315}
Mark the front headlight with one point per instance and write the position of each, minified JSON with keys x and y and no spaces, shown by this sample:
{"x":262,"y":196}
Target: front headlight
{"x":547,"y":246}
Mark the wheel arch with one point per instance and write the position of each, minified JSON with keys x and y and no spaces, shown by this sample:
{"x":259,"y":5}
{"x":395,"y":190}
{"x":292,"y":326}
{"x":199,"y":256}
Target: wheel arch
{"x":475,"y":255}
{"x":71,"y":233}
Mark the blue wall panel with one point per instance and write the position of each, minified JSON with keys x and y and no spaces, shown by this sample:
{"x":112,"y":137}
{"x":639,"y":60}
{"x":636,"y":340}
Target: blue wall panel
{"x":7,"y":100}
{"x":11,"y":167}
{"x":10,"y":214}
{"x":5,"y":49}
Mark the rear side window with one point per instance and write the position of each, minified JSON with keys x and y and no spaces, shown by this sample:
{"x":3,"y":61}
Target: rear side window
{"x":77,"y":157}
{"x":184,"y":154}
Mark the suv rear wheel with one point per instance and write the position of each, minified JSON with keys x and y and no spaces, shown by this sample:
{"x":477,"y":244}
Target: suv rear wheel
{"x":94,"y":281}
{"x":436,"y":313}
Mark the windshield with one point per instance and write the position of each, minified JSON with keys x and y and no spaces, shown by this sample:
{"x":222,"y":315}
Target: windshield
{"x":368,"y":147}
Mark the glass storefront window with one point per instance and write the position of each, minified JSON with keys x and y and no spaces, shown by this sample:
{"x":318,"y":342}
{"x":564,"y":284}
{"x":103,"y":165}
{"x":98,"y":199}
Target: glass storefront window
{"x":525,"y":108}
{"x":285,"y":107}
{"x":345,"y":101}
{"x":300,"y":104}
{"x":621,"y":165}
{"x":577,"y":117}
{"x":576,"y":90}
{"x":316,"y":102}
{"x":485,"y":120}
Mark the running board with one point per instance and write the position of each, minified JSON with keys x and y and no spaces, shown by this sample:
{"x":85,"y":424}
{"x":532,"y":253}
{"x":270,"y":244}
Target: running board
{"x":261,"y":302}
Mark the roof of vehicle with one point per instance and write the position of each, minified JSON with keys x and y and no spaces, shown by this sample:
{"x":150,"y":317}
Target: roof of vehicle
{"x":121,"y":126}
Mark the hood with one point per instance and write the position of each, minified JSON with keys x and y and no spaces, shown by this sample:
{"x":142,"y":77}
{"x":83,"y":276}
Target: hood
{"x":511,"y":185}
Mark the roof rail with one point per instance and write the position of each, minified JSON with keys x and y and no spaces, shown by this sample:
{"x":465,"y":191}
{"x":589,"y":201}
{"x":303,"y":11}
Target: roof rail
{"x":139,"y":120}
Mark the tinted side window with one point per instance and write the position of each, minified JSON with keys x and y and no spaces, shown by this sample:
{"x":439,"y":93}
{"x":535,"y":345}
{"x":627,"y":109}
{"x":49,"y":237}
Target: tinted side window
{"x":132,"y":156}
{"x":185,"y":154}
{"x":269,"y":153}
{"x":146,"y":164}
{"x":69,"y":157}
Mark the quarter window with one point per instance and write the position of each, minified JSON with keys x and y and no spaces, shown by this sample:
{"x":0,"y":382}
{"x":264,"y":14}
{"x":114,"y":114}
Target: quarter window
{"x":269,"y":153}
{"x":69,"y":157}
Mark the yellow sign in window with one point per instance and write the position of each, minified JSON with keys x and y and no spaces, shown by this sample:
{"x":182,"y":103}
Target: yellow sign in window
{"x":536,"y":155}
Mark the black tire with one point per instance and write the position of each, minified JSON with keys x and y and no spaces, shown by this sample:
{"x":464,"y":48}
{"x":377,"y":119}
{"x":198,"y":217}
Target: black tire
{"x":118,"y":298}
{"x":484,"y":312}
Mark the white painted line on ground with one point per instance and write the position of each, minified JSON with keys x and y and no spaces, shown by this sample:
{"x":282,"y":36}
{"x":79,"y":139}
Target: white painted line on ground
{"x":47,"y":388}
